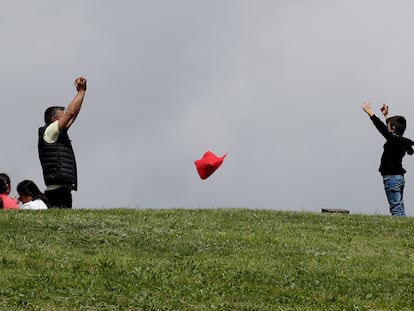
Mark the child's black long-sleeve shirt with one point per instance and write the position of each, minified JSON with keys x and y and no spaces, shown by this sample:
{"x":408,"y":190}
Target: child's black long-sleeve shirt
{"x":395,"y":148}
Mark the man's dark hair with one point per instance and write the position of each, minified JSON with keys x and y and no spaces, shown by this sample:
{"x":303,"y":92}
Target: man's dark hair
{"x":52,"y":112}
{"x":398,"y":123}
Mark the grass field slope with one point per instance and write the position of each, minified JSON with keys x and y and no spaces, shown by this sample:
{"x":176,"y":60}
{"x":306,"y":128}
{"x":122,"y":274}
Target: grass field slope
{"x":210,"y":259}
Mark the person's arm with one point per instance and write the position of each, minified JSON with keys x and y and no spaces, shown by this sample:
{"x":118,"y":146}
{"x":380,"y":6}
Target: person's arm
{"x":381,"y":127}
{"x":75,"y":105}
{"x":367,"y":108}
{"x":384,"y":110}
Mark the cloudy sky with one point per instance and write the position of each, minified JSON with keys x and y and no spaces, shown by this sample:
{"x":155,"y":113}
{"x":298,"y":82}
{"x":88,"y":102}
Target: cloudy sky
{"x":277,"y":84}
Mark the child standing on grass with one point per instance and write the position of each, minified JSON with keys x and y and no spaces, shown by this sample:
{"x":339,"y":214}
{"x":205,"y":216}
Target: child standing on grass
{"x":395,"y":148}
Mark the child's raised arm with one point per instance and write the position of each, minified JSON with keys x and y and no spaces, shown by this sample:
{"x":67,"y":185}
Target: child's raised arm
{"x":384,"y":110}
{"x":367,"y":108}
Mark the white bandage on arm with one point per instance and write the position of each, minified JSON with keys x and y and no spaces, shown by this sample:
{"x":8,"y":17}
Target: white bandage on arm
{"x":51,"y":134}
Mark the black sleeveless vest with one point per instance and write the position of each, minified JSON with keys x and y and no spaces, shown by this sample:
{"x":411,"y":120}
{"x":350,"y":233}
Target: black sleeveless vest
{"x":58,"y":160}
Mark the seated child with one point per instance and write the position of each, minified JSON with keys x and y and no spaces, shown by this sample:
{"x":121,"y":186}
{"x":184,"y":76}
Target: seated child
{"x":7,"y":201}
{"x":31,"y":197}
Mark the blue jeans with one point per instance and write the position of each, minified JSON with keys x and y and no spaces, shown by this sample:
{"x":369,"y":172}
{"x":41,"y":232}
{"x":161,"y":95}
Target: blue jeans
{"x":394,"y":189}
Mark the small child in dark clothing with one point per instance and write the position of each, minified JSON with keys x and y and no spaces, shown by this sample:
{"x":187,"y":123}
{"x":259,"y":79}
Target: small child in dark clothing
{"x":395,"y":148}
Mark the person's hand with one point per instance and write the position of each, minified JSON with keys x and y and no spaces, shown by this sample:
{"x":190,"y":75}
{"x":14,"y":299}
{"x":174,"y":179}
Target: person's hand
{"x":384,"y":110}
{"x":367,"y":108}
{"x":80,"y":84}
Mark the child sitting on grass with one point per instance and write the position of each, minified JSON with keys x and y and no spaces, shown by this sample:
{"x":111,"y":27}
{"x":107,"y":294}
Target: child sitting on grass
{"x":6,"y":202}
{"x":31,"y":197}
{"x":395,"y":148}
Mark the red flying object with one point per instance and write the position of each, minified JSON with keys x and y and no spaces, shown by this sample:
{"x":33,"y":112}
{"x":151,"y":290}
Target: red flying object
{"x":208,"y":164}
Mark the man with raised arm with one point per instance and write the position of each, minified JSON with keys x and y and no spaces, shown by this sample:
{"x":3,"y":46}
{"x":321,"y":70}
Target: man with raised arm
{"x":56,"y":152}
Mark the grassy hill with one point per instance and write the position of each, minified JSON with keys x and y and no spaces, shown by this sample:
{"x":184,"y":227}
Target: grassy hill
{"x":218,"y":259}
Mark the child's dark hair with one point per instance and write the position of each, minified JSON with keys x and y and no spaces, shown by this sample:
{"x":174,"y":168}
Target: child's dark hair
{"x":4,"y":182}
{"x":29,"y":188}
{"x":398,"y":123}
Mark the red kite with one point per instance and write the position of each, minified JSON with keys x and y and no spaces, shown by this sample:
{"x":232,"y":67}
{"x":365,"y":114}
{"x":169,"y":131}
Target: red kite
{"x":208,"y":164}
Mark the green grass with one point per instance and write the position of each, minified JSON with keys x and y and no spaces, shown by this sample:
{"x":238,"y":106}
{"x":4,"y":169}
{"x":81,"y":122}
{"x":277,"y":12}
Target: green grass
{"x":218,"y":259}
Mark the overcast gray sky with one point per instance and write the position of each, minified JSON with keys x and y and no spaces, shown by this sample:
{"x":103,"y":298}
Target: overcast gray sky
{"x":277,"y":84}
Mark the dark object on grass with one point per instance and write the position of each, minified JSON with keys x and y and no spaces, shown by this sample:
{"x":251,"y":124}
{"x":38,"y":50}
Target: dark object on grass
{"x":335,"y":210}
